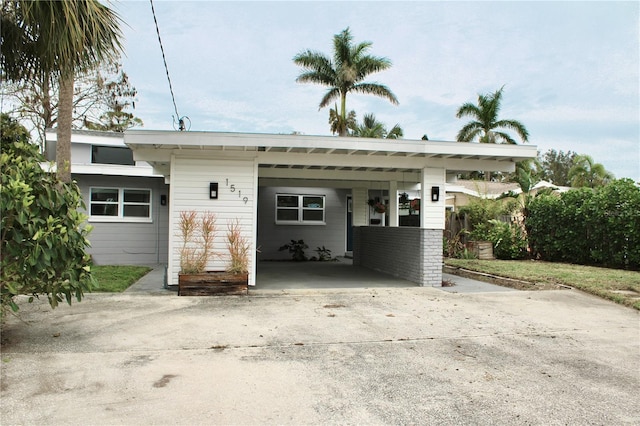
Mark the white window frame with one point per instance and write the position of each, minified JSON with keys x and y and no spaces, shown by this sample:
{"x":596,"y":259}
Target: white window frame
{"x":300,"y":209}
{"x":120,"y":203}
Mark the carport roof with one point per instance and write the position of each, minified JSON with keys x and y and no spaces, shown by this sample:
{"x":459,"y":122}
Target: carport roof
{"x":329,"y":152}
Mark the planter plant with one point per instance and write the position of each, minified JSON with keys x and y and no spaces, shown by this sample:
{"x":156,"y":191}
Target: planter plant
{"x":377,"y":206}
{"x":198,"y":233}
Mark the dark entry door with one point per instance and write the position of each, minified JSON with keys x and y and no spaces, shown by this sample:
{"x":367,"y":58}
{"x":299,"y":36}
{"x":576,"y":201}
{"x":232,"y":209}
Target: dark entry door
{"x":349,"y":224}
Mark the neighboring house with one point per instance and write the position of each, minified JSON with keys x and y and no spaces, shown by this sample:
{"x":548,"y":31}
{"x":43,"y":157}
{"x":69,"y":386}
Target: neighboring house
{"x":125,"y":200}
{"x":461,"y":192}
{"x":316,"y":188}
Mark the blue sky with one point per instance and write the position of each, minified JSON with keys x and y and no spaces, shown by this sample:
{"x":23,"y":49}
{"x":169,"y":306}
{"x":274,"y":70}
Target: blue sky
{"x":570,"y":70}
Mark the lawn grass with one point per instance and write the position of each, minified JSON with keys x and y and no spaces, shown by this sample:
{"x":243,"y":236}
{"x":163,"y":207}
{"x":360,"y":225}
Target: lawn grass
{"x":116,"y":278}
{"x":614,"y":284}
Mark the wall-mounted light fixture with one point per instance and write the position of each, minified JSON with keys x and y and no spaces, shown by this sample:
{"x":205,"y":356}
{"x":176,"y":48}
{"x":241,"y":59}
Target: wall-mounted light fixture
{"x":213,"y":190}
{"x":163,"y":200}
{"x":435,"y":193}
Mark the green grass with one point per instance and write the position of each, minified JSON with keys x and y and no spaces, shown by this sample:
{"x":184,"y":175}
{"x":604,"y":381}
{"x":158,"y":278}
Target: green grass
{"x":614,"y":284}
{"x":115,"y":278}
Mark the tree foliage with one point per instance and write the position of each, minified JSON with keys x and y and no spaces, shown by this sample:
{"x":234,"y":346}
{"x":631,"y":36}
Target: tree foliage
{"x":339,"y":125}
{"x":44,"y":236}
{"x":588,"y":226}
{"x":101,"y":100}
{"x":485,"y":123}
{"x":61,"y":38}
{"x":345,"y":73}
{"x":372,"y":128}
{"x":585,"y":172}
{"x":555,"y":166}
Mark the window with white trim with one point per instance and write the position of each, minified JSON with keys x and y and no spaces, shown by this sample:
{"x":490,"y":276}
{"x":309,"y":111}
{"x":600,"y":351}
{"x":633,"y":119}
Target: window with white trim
{"x":120,"y":204}
{"x":300,"y":209}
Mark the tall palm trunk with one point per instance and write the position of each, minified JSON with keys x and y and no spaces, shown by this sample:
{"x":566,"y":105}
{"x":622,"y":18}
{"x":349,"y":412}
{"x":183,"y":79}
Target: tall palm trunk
{"x":65,"y":112}
{"x":343,"y":114}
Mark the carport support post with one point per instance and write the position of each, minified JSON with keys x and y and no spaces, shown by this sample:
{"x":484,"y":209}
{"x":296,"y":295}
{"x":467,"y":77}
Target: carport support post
{"x":393,"y":203}
{"x":432,"y":212}
{"x":432,"y":221}
{"x":360,"y":209}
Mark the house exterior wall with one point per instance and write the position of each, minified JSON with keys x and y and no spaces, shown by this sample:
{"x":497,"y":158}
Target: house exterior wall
{"x":128,"y":243}
{"x":414,"y":254}
{"x":81,"y":153}
{"x":332,"y":235}
{"x":432,"y":212}
{"x":236,"y":175}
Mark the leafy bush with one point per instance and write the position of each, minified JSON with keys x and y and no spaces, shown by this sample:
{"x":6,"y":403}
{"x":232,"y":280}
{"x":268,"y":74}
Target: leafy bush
{"x":44,"y":234}
{"x":508,"y":239}
{"x":296,"y":248}
{"x":324,"y":254}
{"x":588,"y":226}
{"x":481,"y":211}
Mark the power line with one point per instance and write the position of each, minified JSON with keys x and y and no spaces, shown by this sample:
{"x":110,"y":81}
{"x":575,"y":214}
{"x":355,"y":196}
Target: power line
{"x":181,"y":124}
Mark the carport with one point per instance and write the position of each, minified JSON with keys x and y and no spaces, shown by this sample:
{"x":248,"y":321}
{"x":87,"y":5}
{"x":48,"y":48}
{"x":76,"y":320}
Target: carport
{"x":338,"y":274}
{"x":222,"y":172}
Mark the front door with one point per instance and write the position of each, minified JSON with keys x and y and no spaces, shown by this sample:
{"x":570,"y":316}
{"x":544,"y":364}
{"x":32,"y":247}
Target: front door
{"x":349,"y":224}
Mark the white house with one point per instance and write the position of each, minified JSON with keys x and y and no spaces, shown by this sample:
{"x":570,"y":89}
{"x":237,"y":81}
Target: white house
{"x":315,"y":188}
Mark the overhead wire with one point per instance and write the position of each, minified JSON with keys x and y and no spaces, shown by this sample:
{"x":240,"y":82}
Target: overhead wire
{"x":181,"y":123}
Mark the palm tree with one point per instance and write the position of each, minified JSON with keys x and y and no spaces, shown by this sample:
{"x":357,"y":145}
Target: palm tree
{"x":345,"y":73}
{"x":340,"y":125}
{"x":40,"y":38}
{"x":372,"y":128}
{"x":486,"y":121}
{"x":587,"y":173}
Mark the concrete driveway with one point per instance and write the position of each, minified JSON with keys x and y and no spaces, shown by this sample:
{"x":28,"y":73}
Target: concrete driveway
{"x":384,"y":355}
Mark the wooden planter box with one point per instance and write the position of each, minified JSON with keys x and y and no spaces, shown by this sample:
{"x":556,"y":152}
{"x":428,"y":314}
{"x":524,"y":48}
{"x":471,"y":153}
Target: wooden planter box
{"x":482,"y":249}
{"x":213,"y":284}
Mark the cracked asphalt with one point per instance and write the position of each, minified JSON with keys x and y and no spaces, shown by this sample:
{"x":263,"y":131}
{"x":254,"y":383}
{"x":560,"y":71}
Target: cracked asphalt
{"x":407,"y":355}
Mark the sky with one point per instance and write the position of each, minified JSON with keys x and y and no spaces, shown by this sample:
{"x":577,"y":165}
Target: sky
{"x":570,"y":70}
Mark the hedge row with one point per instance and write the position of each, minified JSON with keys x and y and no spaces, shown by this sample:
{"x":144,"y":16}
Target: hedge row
{"x":588,"y":226}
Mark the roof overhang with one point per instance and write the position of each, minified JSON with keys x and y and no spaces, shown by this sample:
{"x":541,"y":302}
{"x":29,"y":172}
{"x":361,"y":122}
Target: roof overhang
{"x":293,"y":156}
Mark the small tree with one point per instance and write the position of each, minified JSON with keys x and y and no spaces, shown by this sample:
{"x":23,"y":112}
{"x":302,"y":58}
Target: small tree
{"x":44,"y":235}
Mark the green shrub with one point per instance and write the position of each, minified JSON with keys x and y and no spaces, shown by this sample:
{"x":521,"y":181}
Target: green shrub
{"x":44,"y":235}
{"x":588,"y":226}
{"x":296,"y":248}
{"x":508,"y":239}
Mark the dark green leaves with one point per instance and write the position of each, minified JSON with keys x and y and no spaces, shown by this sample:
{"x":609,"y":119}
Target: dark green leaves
{"x":44,"y":236}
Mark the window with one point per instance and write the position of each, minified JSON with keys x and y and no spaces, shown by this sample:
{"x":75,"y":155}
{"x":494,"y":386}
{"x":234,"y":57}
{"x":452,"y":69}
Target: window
{"x":120,"y":204}
{"x":112,"y":155}
{"x":294,"y":209}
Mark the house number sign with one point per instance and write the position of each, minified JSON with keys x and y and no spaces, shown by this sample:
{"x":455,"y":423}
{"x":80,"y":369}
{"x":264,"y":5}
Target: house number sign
{"x":232,"y":188}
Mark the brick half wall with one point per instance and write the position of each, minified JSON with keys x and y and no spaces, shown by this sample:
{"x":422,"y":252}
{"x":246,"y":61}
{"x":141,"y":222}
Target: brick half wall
{"x":413,"y":254}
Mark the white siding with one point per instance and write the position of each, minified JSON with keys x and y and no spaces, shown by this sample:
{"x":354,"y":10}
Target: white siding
{"x":236,"y":178}
{"x":360,"y":207}
{"x":432,"y":213}
{"x":80,"y":153}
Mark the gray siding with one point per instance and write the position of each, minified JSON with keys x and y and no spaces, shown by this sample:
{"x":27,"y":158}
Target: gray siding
{"x":272,"y":236}
{"x":123,"y":243}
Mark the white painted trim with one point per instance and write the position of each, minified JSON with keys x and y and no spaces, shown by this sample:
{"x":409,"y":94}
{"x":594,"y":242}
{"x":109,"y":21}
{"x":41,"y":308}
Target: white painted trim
{"x":120,"y":218}
{"x":348,"y":145}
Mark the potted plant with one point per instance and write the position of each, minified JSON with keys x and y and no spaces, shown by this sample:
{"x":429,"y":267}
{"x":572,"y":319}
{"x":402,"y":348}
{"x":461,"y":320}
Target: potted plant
{"x":198,"y":234}
{"x":377,"y":206}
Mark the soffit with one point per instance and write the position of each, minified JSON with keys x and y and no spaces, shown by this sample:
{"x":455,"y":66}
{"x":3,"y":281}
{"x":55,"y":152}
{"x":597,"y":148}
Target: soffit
{"x":301,"y":152}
